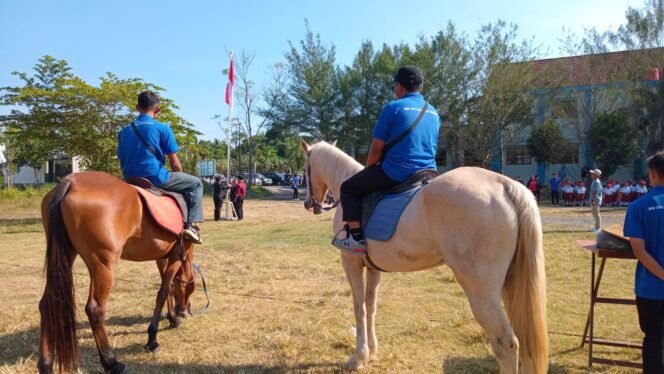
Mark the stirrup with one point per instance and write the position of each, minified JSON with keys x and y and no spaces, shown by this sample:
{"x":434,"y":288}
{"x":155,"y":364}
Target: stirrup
{"x":349,"y":244}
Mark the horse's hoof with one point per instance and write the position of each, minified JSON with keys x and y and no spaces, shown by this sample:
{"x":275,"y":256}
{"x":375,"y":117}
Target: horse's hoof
{"x":118,"y":368}
{"x":175,"y":323}
{"x":152,"y":347}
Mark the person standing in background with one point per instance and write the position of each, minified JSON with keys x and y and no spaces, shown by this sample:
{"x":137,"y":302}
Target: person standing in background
{"x":240,"y":195}
{"x":595,"y":197}
{"x":295,"y":183}
{"x":554,"y":182}
{"x":219,"y":190}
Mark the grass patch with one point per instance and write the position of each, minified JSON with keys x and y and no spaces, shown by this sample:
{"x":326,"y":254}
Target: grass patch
{"x":280,"y":303}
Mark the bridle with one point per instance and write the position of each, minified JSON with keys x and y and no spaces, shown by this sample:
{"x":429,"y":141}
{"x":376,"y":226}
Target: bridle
{"x":310,"y":187}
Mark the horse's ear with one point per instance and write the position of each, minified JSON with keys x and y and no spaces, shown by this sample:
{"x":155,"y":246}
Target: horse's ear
{"x":334,"y":143}
{"x":305,"y":147}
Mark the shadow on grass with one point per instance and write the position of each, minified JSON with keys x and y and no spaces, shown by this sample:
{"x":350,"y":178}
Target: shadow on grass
{"x":324,"y":367}
{"x":19,"y":221}
{"x":487,"y":364}
{"x":24,"y":344}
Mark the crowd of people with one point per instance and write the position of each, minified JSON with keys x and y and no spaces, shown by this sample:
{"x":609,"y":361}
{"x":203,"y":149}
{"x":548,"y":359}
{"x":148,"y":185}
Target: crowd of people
{"x":615,"y":193}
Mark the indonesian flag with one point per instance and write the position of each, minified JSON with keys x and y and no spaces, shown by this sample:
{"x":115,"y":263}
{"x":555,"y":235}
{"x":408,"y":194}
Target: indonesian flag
{"x":231,"y":83}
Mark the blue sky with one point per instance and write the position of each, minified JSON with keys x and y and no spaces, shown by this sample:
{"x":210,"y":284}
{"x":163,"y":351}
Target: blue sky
{"x":182,"y":45}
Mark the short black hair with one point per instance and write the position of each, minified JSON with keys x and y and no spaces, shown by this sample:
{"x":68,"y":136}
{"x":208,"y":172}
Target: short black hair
{"x":147,"y":100}
{"x":656,"y":163}
{"x":240,"y":177}
{"x":410,"y":77}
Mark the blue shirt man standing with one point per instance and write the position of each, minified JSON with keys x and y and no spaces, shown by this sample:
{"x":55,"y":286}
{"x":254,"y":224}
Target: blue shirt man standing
{"x":143,"y":147}
{"x":644,"y":225}
{"x":554,"y":182}
{"x":414,"y":152}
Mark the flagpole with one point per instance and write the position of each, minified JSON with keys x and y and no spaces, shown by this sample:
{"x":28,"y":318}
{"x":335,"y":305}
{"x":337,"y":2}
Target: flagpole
{"x":228,"y":149}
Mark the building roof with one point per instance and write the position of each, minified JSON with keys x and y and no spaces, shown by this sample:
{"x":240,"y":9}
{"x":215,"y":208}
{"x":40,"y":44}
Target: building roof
{"x":593,"y":69}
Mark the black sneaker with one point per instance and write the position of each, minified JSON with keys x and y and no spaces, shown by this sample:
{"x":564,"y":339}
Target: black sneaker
{"x":192,"y":233}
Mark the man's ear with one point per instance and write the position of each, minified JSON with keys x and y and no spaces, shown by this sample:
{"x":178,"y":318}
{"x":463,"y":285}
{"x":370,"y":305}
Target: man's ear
{"x":334,"y":143}
{"x":305,"y":147}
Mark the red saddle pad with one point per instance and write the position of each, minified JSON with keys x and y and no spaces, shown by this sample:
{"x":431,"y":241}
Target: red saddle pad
{"x":164,"y":210}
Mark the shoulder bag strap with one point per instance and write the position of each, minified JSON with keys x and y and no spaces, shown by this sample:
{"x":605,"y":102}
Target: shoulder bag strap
{"x":405,"y":133}
{"x":142,"y":139}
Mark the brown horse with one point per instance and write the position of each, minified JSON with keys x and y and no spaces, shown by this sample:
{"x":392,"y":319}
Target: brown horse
{"x":102,"y":219}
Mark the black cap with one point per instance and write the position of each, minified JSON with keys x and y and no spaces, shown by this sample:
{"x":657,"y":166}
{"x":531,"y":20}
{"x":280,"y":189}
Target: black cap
{"x":410,"y":76}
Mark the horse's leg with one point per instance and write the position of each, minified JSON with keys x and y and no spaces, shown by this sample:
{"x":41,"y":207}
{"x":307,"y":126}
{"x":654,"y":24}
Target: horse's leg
{"x":165,"y":291}
{"x":101,"y":280}
{"x":487,"y":309}
{"x":171,"y":315}
{"x":353,"y":267}
{"x":373,"y":281}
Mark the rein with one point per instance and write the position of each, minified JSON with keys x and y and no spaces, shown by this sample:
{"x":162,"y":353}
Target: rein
{"x":315,"y":202}
{"x":183,"y":259}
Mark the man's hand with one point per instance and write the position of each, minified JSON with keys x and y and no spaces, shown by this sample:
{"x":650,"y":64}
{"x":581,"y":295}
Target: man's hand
{"x":639,"y":248}
{"x":375,"y":152}
{"x":175,"y":162}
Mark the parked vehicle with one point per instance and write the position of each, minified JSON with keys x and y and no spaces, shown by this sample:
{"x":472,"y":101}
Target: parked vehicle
{"x":257,"y":181}
{"x":278,"y":179}
{"x":266,"y":181}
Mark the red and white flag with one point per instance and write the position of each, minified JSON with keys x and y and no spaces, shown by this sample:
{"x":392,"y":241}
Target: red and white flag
{"x":231,"y":84}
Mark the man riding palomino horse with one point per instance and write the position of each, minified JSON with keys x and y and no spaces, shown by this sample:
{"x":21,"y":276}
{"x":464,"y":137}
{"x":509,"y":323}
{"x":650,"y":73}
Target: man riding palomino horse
{"x":404,"y":142}
{"x":143,"y":147}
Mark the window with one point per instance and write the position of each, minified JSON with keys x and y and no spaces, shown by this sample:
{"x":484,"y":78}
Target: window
{"x":564,"y":109}
{"x":517,"y":155}
{"x":570,"y":155}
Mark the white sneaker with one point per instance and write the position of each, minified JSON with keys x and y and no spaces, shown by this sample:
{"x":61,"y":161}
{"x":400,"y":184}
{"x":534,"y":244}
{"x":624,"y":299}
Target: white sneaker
{"x":193,"y":235}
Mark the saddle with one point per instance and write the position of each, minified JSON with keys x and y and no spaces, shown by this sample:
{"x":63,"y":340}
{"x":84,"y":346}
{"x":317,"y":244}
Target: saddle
{"x":382,"y":210}
{"x":167,"y":208}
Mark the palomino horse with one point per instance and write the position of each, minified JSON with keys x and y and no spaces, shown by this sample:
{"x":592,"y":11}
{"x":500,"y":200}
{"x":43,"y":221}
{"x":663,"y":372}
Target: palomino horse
{"x":102,"y":219}
{"x":484,"y":226}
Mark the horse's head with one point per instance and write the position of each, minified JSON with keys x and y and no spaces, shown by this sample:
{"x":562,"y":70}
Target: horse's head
{"x":317,"y":189}
{"x":184,"y":286}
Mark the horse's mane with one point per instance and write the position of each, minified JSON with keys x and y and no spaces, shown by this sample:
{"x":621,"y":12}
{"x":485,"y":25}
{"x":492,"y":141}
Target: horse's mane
{"x":333,"y":162}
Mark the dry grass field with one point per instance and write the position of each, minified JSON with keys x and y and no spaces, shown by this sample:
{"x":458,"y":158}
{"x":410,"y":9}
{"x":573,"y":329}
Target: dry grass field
{"x":280,"y":302}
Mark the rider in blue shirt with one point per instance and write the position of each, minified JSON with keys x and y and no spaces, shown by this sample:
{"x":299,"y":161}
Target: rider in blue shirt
{"x":415,"y":152}
{"x":139,"y":160}
{"x":644,"y":225}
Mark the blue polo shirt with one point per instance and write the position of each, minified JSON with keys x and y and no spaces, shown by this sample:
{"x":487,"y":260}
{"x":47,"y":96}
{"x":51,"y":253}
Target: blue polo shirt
{"x":554,"y":182}
{"x":415,"y":152}
{"x":136,"y":160}
{"x":645,"y":220}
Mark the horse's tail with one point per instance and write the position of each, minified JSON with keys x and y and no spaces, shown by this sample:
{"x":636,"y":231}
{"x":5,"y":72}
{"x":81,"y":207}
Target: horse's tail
{"x":525,"y":285}
{"x":57,"y":306}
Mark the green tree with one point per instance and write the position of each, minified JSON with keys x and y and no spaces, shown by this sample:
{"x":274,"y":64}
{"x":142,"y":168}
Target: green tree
{"x":547,"y":143}
{"x":502,"y":102}
{"x":38,"y":113}
{"x":613,"y":140}
{"x":55,"y":112}
{"x":644,"y":27}
{"x":313,"y":88}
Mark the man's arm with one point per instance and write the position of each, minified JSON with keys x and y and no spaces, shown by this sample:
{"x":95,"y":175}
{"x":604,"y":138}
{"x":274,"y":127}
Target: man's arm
{"x":639,"y":248}
{"x":375,"y":152}
{"x":175,"y":162}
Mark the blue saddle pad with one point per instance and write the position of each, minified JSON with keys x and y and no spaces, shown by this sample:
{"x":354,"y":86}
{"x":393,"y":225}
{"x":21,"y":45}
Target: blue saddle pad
{"x":385,"y":216}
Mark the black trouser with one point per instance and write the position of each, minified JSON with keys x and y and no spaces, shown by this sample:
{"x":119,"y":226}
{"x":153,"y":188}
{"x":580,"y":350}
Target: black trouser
{"x":369,"y":180}
{"x":218,"y":202}
{"x":296,"y":193}
{"x":651,"y":320}
{"x":238,"y":207}
{"x":554,"y":197}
